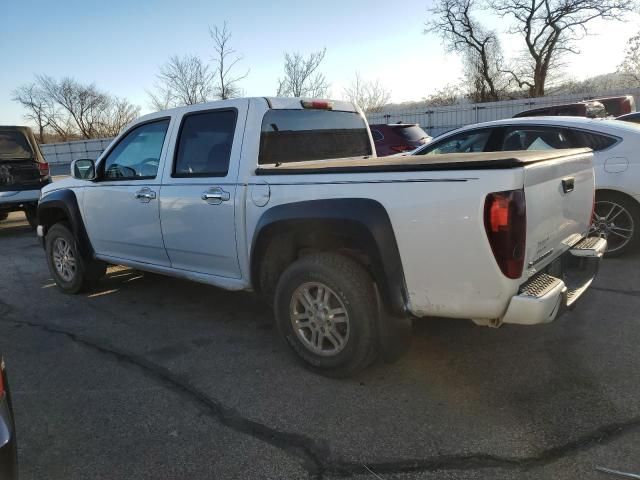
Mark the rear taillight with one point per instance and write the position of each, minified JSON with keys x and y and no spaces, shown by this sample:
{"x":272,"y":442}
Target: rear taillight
{"x":44,"y":169}
{"x":317,"y":104}
{"x":402,"y":148}
{"x":505,"y":220}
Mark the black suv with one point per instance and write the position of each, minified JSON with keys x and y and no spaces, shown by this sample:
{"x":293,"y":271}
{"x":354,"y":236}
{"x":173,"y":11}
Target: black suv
{"x":23,"y":172}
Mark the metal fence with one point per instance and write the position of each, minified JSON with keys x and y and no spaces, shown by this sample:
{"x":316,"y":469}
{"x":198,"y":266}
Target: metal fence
{"x":433,"y":120}
{"x":65,"y":152}
{"x":442,"y":119}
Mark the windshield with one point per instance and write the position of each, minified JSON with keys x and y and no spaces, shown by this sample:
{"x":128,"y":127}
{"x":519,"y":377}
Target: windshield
{"x":13,"y":143}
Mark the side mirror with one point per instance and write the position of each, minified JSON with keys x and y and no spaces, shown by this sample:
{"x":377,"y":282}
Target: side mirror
{"x":83,"y":169}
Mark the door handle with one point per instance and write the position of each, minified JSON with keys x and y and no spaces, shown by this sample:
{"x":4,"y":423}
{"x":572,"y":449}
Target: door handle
{"x":145,"y":195}
{"x":215,"y":196}
{"x":568,"y":184}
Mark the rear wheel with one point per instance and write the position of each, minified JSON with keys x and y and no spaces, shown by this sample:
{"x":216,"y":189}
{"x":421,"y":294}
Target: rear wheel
{"x":71,"y":272}
{"x":326,"y":309}
{"x":616,"y":218}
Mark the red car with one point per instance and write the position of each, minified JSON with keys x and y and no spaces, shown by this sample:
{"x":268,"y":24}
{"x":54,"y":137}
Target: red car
{"x":393,"y":138}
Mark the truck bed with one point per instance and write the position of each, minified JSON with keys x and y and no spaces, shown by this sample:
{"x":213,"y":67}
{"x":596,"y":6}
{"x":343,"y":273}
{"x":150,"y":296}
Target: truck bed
{"x":408,"y":163}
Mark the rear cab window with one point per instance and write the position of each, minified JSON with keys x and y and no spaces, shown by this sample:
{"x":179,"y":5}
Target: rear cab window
{"x":412,"y":133}
{"x":14,"y":144}
{"x":377,"y":135}
{"x":301,"y":135}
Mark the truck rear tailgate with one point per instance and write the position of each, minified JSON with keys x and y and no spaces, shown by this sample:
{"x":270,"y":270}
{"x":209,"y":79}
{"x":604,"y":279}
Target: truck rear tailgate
{"x":559,"y":198}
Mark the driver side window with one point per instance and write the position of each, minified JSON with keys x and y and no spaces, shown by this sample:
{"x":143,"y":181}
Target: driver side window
{"x":137,"y":155}
{"x":465,"y":142}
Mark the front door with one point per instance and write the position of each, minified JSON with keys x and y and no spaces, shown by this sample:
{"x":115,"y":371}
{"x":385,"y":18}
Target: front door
{"x":198,"y":194}
{"x":120,"y":209}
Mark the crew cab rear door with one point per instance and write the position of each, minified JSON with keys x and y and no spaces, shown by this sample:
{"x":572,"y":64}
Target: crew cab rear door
{"x":199,"y":190}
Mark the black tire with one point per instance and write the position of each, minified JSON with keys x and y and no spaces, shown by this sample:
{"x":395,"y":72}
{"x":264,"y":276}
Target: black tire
{"x":628,"y":220}
{"x":32,"y":216}
{"x":352,"y":286}
{"x":86,"y":273}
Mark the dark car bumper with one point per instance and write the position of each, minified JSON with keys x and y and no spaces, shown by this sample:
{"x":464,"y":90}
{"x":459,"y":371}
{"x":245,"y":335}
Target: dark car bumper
{"x":8,"y":450}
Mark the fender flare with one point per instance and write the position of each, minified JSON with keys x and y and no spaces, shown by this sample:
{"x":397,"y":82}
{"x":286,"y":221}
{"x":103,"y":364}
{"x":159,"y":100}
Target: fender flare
{"x":364,"y":221}
{"x":65,"y":201}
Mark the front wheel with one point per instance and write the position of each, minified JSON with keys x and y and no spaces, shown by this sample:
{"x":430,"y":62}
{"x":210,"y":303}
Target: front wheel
{"x":616,"y":218}
{"x":71,"y":272}
{"x":326,"y":309}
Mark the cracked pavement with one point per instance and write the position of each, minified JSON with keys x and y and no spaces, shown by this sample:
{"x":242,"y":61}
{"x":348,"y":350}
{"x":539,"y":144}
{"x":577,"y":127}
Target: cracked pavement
{"x":152,"y":377}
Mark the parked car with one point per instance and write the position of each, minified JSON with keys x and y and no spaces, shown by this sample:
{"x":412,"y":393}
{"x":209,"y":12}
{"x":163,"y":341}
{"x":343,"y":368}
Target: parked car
{"x":23,"y":172}
{"x":616,"y":106}
{"x":393,"y":138}
{"x":589,"y":109}
{"x":630,"y":117}
{"x":8,"y":451}
{"x":286,"y":198}
{"x":617,"y":166}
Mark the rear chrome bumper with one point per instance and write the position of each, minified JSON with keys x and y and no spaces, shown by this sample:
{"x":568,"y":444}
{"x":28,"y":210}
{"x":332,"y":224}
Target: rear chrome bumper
{"x":548,"y":294}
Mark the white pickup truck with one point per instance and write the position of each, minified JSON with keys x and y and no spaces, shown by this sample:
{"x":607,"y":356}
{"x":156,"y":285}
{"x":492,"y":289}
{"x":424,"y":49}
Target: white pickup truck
{"x":285,"y":197}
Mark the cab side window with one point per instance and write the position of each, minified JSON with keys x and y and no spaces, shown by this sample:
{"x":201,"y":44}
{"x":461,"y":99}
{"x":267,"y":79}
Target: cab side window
{"x":204,"y":144}
{"x":465,"y":142}
{"x":137,"y":155}
{"x":591,"y":140}
{"x":536,"y":138}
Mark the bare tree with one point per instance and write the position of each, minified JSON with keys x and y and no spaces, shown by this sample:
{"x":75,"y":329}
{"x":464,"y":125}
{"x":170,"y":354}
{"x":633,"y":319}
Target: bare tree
{"x":301,"y":78}
{"x":118,"y":114}
{"x":68,"y":109}
{"x":550,"y":29}
{"x":370,"y":96}
{"x":182,"y":81}
{"x":448,"y":95}
{"x":225,"y":60}
{"x":453,"y":20}
{"x":630,"y":66}
{"x":36,"y":104}
{"x":85,"y":104}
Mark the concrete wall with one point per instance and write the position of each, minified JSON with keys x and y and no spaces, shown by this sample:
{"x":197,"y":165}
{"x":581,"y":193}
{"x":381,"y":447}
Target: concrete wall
{"x":64,"y":153}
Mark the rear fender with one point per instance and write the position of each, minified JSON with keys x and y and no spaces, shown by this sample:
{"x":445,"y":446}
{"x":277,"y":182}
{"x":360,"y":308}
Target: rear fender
{"x":364,"y":222}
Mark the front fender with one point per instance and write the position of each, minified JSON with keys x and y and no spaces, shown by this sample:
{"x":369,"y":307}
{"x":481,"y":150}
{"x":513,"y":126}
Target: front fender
{"x":62,"y":206}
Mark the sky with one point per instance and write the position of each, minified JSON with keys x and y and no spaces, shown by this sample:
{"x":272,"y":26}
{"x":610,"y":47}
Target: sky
{"x":121,"y":44}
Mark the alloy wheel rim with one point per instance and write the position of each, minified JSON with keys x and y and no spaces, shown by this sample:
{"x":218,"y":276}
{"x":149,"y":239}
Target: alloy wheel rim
{"x":64,"y":259}
{"x":319,"y":319}
{"x":614,"y":223}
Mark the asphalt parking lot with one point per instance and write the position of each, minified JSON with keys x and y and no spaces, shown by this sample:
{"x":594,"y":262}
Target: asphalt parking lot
{"x":149,"y":377}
